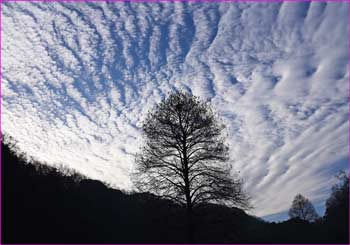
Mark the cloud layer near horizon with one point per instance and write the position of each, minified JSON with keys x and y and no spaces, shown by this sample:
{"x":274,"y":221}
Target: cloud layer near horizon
{"x":78,"y":78}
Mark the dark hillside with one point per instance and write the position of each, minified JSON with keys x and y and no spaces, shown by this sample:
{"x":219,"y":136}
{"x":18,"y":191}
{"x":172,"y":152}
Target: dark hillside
{"x":45,"y":207}
{"x":42,"y":206}
{"x":39,"y":205}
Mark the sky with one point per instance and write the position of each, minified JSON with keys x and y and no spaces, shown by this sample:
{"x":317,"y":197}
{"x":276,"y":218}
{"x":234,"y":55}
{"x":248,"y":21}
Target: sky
{"x":79,"y":78}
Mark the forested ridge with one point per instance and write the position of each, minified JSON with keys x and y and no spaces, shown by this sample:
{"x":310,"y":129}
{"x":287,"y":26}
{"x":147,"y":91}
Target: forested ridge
{"x":39,"y":205}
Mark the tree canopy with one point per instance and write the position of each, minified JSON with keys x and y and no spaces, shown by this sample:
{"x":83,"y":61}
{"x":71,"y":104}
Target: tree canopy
{"x":184,"y":157}
{"x":303,"y":209}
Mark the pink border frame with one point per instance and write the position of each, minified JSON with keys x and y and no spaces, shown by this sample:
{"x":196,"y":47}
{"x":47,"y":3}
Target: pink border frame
{"x":157,"y":1}
{"x":0,"y":122}
{"x":145,"y":1}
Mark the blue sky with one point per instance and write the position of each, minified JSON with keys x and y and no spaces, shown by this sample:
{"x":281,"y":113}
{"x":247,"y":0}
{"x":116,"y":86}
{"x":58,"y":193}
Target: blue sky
{"x":78,"y":79}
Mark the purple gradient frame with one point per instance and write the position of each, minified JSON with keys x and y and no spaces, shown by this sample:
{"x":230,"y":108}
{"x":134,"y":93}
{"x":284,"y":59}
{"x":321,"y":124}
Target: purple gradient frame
{"x":154,"y":1}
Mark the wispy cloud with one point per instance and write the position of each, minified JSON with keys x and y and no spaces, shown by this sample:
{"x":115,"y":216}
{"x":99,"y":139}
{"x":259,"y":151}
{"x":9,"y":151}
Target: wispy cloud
{"x":78,"y":78}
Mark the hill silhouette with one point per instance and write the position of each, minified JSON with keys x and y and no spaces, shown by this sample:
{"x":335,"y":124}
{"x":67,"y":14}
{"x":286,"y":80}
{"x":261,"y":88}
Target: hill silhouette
{"x":39,"y":205}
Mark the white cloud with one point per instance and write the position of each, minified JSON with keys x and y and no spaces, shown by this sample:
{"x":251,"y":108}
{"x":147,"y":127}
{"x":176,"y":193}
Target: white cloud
{"x":79,"y":78}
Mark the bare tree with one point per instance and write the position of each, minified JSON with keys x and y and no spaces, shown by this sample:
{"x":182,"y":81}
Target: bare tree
{"x":303,"y":209}
{"x":184,"y":157}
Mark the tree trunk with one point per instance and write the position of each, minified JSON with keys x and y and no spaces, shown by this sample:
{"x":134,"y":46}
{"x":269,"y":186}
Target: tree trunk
{"x":190,"y":225}
{"x":189,"y":210}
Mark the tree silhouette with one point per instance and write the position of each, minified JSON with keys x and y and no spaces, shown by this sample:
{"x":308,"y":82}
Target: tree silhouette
{"x":338,"y":202}
{"x":184,"y":157}
{"x":303,"y":209}
{"x":337,"y":209}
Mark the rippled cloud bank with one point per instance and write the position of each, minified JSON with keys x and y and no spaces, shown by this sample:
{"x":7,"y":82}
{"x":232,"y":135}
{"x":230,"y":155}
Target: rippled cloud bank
{"x":78,"y":78}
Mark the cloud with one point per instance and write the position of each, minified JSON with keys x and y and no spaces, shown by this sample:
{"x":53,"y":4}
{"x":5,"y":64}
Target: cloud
{"x":79,"y":78}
